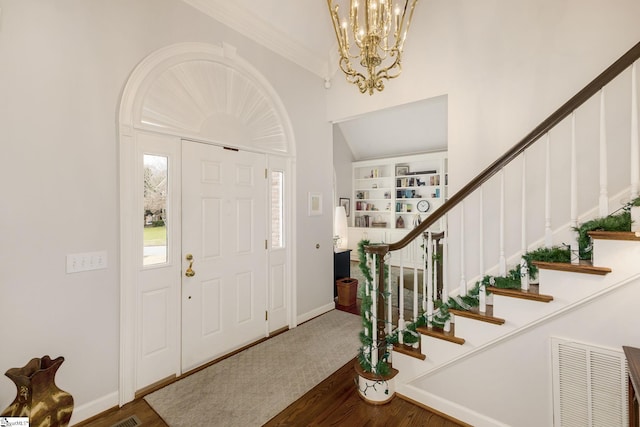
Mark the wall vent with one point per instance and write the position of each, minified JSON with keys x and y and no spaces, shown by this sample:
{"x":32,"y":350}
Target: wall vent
{"x":589,"y":385}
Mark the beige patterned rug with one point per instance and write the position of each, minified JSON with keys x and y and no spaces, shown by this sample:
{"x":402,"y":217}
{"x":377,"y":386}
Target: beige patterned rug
{"x":251,"y":387}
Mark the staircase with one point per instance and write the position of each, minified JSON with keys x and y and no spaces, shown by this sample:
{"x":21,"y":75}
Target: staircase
{"x":450,"y":378}
{"x":493,"y":365}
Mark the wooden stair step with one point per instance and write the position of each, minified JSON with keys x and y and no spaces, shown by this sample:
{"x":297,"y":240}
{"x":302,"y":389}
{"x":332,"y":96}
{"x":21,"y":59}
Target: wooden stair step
{"x":409,"y":351}
{"x":614,"y":235}
{"x":474,"y":313}
{"x":532,"y":294}
{"x":440,"y":333}
{"x":585,"y":268}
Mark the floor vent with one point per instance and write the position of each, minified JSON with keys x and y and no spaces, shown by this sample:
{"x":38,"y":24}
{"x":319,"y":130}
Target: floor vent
{"x":589,"y":385}
{"x":131,"y":421}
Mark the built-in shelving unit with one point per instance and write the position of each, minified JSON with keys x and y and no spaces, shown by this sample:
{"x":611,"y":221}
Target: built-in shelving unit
{"x":398,"y":192}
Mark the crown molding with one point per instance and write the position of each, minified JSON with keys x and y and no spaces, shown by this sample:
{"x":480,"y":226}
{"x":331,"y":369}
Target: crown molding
{"x":247,"y":23}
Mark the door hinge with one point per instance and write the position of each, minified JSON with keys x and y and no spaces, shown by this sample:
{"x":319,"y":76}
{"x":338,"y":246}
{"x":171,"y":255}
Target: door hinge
{"x":266,"y":244}
{"x":266,"y":315}
{"x":265,"y":173}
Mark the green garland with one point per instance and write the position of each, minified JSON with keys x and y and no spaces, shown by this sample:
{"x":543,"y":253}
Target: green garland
{"x":366,"y":335}
{"x":512,"y":280}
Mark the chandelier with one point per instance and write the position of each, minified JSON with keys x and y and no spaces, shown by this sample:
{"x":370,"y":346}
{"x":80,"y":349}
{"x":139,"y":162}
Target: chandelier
{"x":373,"y":35}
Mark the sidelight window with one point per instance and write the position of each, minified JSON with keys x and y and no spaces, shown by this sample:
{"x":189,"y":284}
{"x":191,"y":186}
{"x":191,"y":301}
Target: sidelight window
{"x":277,"y":209}
{"x":155,"y":209}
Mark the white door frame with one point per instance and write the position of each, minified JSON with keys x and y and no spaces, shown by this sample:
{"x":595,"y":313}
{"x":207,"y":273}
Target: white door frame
{"x":142,"y":113}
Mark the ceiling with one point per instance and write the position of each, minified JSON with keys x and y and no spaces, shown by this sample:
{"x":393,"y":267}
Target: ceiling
{"x":301,"y":31}
{"x":417,"y":127}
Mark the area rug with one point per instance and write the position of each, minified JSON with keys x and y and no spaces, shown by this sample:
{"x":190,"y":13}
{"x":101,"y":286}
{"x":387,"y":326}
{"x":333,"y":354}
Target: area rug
{"x":251,"y":387}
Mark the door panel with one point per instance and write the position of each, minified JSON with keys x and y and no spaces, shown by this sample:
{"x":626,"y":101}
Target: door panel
{"x":224,"y":207}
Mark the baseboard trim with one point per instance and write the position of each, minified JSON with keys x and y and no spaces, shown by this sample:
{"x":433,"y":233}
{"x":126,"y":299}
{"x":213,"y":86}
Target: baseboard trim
{"x":315,"y":313}
{"x":90,"y":409}
{"x":452,"y":409}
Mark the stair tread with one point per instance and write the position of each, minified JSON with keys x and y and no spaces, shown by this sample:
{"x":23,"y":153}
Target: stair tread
{"x":474,"y":313}
{"x":586,"y":268}
{"x":440,"y":333}
{"x":412,"y":352}
{"x":532,"y":294}
{"x":614,"y":235}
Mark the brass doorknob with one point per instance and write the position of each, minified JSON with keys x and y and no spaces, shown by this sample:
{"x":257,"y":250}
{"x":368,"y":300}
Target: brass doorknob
{"x":189,"y":271}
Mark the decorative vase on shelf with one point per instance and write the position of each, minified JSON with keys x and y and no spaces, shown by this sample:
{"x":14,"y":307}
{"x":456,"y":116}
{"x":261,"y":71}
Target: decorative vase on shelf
{"x":399,"y":222}
{"x":37,"y":396}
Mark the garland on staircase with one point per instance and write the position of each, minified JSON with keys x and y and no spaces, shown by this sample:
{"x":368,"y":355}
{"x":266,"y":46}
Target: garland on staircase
{"x":617,"y":221}
{"x":366,"y":335}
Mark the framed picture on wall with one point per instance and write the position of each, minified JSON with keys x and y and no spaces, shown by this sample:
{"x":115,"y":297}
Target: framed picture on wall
{"x":402,"y":170}
{"x":346,"y":202}
{"x":315,"y":204}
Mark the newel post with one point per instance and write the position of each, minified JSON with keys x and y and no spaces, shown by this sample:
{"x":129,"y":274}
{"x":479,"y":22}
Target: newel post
{"x":379,"y":312}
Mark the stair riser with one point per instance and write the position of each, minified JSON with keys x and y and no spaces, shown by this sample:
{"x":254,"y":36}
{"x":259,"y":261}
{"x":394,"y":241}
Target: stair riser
{"x":477,"y":332}
{"x":622,"y":256}
{"x":519,"y":312}
{"x":567,"y":287}
{"x":437,"y":351}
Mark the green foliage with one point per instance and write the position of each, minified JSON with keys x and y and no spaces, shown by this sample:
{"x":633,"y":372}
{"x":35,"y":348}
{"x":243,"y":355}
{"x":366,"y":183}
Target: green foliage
{"x":618,"y":222}
{"x":553,"y":254}
{"x":368,"y":331}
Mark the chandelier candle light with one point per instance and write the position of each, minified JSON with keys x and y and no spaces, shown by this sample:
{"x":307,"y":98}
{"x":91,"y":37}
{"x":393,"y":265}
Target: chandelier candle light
{"x":374,"y":35}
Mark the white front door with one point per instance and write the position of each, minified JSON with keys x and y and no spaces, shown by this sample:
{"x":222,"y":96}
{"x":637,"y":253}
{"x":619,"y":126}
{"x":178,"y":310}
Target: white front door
{"x":224,"y":230}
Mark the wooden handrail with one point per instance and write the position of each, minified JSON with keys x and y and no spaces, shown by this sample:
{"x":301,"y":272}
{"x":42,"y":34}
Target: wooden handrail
{"x":560,"y":114}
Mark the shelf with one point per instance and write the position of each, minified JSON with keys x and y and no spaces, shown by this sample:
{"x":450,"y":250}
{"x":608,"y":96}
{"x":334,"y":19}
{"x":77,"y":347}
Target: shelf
{"x":420,"y":175}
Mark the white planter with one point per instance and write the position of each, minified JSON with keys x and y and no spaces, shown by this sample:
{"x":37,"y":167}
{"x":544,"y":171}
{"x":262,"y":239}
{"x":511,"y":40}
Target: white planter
{"x":376,"y":392}
{"x":375,"y":389}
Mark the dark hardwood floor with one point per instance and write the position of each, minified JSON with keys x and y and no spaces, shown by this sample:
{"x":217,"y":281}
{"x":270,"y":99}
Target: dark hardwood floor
{"x":333,"y":402}
{"x":336,"y":402}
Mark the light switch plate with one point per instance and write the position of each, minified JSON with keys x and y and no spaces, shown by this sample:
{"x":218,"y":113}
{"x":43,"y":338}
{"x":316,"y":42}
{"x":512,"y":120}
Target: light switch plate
{"x":86,"y":261}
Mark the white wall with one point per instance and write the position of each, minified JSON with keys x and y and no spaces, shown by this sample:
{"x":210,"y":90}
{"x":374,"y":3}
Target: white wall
{"x":342,"y":158}
{"x":512,"y":381}
{"x":63,"y":65}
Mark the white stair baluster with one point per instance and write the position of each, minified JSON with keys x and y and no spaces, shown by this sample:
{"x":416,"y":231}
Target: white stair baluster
{"x":445,"y":268}
{"x":603,"y":203}
{"x":574,"y":192}
{"x":389,"y":299}
{"x":430,"y":280}
{"x":524,"y":270}
{"x":425,"y":260}
{"x":367,"y":351}
{"x":635,"y":144}
{"x":416,"y":292}
{"x":502,"y":263}
{"x":374,"y":316}
{"x":401,"y":322}
{"x":463,"y":280}
{"x":548,"y":233}
{"x":483,"y":289}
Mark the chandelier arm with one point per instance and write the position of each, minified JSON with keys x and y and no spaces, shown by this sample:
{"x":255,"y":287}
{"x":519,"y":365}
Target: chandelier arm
{"x":384,"y":73}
